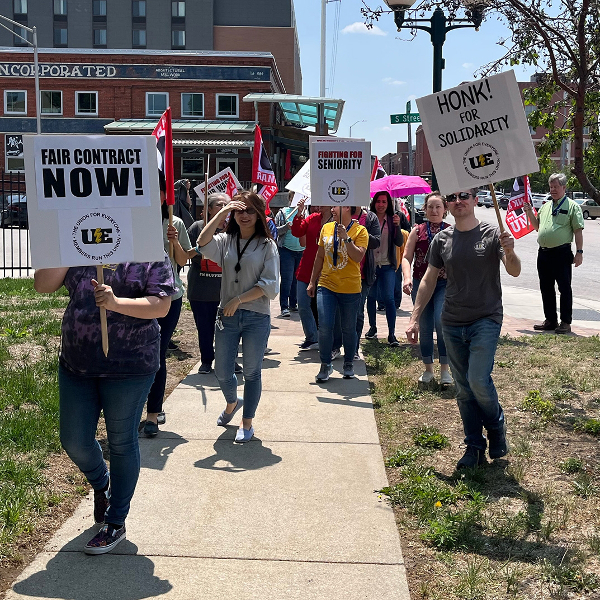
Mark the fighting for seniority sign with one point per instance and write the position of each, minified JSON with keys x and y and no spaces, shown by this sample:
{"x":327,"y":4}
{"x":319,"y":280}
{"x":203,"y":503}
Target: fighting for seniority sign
{"x":477,"y":133}
{"x":92,"y":200}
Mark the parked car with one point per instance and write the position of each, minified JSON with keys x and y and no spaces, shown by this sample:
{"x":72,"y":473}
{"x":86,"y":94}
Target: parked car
{"x":419,"y":200}
{"x":538,"y":200}
{"x":15,"y":214}
{"x":481,"y":195}
{"x":502,"y":201}
{"x":590,"y":209}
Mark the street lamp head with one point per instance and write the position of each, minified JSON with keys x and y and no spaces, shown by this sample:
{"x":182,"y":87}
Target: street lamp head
{"x":474,"y":10}
{"x":399,"y":4}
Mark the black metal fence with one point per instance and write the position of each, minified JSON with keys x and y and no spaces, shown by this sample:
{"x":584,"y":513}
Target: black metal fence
{"x":14,"y":236}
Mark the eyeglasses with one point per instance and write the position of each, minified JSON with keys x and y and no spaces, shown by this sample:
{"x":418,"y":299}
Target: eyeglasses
{"x":249,"y":211}
{"x":459,"y":196}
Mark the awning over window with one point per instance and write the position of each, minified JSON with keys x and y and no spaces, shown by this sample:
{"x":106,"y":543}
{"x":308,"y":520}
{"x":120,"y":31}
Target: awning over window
{"x":181,"y":126}
{"x":303,"y":110}
{"x":213,"y":143}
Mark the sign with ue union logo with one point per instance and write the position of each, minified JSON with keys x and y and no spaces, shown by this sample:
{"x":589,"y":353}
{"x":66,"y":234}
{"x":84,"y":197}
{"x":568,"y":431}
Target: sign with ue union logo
{"x":477,"y":133}
{"x":92,"y":200}
{"x":340,"y":171}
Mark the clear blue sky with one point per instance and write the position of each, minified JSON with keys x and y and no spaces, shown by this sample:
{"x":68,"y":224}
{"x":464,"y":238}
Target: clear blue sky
{"x":378,"y":72}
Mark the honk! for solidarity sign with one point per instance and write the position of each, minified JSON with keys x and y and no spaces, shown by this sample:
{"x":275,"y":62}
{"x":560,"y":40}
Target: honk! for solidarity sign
{"x":340,"y":171}
{"x":92,"y":200}
{"x":477,"y":133}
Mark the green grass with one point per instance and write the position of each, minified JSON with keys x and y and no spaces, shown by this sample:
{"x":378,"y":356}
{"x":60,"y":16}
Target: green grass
{"x":571,"y":465}
{"x":28,"y":406}
{"x":591,"y":426}
{"x":546,"y":409}
{"x":429,"y":438}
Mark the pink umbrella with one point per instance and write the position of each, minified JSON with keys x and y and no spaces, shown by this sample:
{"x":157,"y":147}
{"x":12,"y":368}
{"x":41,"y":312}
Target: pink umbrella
{"x":400,"y":186}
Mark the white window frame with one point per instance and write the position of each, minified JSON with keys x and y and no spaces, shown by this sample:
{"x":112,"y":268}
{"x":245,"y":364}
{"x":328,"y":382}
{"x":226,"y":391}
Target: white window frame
{"x":148,"y":114}
{"x":11,"y":112}
{"x":194,"y":158}
{"x":237,"y":106}
{"x":61,"y":103}
{"x":185,"y":116}
{"x":85,"y":114}
{"x":227,"y":160}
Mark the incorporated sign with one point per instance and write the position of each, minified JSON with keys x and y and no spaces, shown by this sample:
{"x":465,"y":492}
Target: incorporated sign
{"x":110,"y":71}
{"x":477,"y":133}
{"x":92,"y":200}
{"x":340,"y":171}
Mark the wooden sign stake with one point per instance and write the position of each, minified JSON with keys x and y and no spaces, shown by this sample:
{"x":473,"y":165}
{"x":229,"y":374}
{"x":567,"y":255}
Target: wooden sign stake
{"x":498,"y":215}
{"x":103,"y":325}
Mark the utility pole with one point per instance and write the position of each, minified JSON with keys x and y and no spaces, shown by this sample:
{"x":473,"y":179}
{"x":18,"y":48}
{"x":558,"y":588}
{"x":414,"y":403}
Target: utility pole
{"x":323,"y":45}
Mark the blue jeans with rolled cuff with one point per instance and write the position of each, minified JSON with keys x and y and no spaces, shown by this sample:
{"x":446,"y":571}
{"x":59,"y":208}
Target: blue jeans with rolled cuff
{"x":122,"y":400}
{"x":383,"y":289}
{"x":431,"y":318}
{"x":328,"y":303}
{"x":471,"y":350}
{"x":253,"y":329}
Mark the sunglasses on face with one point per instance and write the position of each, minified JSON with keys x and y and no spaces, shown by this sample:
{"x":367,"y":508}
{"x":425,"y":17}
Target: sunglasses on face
{"x":459,"y":196}
{"x":249,"y":211}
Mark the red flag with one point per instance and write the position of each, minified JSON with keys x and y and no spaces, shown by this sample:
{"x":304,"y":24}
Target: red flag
{"x":262,"y":171}
{"x":231,"y":186}
{"x":516,"y":218}
{"x":378,"y":171}
{"x":164,"y":151}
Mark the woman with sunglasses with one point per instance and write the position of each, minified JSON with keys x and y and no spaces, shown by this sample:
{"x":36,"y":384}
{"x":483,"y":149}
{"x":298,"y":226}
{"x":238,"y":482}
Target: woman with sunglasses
{"x":416,"y":249}
{"x":250,"y":261}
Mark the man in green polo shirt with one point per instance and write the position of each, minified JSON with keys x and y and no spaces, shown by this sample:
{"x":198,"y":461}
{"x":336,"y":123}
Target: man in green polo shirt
{"x":557,"y":222}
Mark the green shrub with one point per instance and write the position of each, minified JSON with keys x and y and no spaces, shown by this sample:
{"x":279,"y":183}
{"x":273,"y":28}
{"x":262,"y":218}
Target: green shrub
{"x":534,"y":402}
{"x":430,"y":438}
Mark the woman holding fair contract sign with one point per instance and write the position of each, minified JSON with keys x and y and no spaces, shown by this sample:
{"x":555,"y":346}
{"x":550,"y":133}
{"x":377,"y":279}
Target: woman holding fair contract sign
{"x":134,"y":296}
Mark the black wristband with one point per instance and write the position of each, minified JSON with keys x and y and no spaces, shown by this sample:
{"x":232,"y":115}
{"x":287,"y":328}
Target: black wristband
{"x":579,"y":251}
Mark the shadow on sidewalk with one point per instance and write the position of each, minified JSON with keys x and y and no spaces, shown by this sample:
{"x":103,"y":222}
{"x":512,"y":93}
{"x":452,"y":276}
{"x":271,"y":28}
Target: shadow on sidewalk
{"x":238,"y":457}
{"x":155,"y":451}
{"x":72,"y":575}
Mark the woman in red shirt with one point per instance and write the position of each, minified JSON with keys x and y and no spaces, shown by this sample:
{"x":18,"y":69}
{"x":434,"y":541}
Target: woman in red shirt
{"x":311,"y":228}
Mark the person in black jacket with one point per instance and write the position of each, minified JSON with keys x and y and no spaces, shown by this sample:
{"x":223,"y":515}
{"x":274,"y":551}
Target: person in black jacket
{"x":391,"y":225}
{"x":370,"y":221}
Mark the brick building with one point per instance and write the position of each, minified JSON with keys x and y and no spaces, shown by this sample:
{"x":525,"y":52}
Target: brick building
{"x":397,"y":163}
{"x":124,"y":92}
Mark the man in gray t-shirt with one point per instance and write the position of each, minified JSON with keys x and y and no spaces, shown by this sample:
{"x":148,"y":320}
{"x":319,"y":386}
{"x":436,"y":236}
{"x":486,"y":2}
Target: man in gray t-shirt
{"x":471,"y":253}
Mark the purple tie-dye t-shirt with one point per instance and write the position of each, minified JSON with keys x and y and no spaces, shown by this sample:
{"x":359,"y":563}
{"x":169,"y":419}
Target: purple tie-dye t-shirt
{"x":133,"y":343}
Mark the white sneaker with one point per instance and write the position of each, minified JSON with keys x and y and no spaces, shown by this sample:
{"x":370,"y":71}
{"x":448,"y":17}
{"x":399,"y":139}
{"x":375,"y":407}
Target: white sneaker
{"x":427,"y":377}
{"x":335,"y":354}
{"x":446,"y":378}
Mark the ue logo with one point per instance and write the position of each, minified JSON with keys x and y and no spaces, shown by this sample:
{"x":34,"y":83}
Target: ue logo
{"x":338,"y":191}
{"x":96,"y":236}
{"x":481,"y":161}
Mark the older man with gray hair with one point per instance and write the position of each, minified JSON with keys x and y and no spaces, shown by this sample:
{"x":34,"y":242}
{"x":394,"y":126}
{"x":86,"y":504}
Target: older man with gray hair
{"x":557,"y":223}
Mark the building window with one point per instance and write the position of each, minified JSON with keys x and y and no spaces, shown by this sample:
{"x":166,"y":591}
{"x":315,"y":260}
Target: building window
{"x":192,"y":105}
{"x":178,"y":9}
{"x":223,"y":163}
{"x":51,"y":102}
{"x":156,"y":103}
{"x":99,"y":37}
{"x":19,"y":41}
{"x":99,"y":8}
{"x":13,"y":152}
{"x":227,"y":105}
{"x":60,"y":7}
{"x":192,"y":167}
{"x":138,"y":8}
{"x":20,"y":6}
{"x":60,"y":37}
{"x":139,"y":38}
{"x":529,"y":108}
{"x":86,"y":103}
{"x":178,"y":39}
{"x":15,"y":102}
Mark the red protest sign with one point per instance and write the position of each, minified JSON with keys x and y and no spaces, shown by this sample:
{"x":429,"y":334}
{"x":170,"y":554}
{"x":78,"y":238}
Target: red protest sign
{"x":516,"y":218}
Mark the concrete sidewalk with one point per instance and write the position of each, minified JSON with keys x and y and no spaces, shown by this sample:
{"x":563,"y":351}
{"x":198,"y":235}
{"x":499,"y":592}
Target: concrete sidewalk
{"x":292,"y":514}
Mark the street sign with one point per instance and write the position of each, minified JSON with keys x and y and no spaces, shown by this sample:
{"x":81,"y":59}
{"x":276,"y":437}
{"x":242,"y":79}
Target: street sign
{"x":405,"y":118}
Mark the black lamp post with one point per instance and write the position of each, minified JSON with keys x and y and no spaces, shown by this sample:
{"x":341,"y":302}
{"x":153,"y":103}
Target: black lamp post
{"x":438,"y":28}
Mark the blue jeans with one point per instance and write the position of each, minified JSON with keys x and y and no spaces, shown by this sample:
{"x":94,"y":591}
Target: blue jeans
{"x":253,"y":329}
{"x":167,"y":324}
{"x":122,"y":400}
{"x":471,"y":351}
{"x":328,"y":303}
{"x":398,"y":288}
{"x":360,"y":317}
{"x":431,"y":318}
{"x":309,"y":325}
{"x":205,"y":315}
{"x":289,"y":261}
{"x":383,"y":288}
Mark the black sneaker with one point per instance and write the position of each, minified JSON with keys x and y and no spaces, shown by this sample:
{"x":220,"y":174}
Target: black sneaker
{"x":238,"y":368}
{"x":101,"y":502}
{"x":106,"y":539}
{"x":393,"y":342}
{"x":151,"y":429}
{"x":473,"y":457}
{"x":371,"y":334}
{"x":324,"y":373}
{"x":308,"y":345}
{"x":498,"y":444}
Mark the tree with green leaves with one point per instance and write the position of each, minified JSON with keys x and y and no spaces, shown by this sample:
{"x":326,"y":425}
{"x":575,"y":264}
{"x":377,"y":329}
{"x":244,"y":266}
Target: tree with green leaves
{"x":561,"y":38}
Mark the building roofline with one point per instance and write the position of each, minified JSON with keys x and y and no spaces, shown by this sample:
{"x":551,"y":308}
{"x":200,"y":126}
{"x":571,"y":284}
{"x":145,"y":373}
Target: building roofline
{"x":135,"y":52}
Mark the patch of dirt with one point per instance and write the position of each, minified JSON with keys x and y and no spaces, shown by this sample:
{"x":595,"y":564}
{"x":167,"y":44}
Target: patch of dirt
{"x":65,"y":479}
